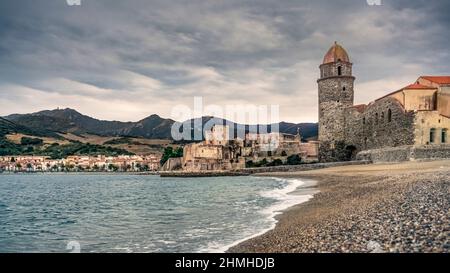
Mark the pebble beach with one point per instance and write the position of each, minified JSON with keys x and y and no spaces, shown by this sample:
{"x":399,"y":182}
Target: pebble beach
{"x":402,"y":207}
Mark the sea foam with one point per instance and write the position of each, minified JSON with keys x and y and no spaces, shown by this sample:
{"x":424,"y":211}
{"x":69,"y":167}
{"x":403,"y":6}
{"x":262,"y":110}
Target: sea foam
{"x":285,"y":198}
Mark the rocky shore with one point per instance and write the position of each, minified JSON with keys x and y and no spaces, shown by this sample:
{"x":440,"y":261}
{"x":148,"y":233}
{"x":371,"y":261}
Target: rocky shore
{"x":372,"y":208}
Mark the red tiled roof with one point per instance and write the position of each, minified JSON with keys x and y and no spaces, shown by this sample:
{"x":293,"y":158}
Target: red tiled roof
{"x":418,"y":86}
{"x":438,"y":79}
{"x":387,"y":95}
{"x":360,"y":108}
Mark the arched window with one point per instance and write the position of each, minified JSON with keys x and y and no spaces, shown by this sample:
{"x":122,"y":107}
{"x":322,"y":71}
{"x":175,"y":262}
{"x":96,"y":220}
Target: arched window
{"x":444,"y":136}
{"x":343,"y":89}
{"x":339,"y":70}
{"x":389,"y":115}
{"x":432,"y":135}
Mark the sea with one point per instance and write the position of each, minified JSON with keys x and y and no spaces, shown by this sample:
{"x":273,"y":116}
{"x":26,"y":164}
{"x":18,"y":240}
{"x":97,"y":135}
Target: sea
{"x":139,"y":213}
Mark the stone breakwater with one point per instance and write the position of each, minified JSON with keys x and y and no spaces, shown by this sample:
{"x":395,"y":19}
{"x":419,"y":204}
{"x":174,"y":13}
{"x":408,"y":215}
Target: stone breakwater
{"x":404,"y":211}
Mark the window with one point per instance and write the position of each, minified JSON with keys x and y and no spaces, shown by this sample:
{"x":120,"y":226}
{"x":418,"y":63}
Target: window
{"x":389,"y":115}
{"x":343,"y":89}
{"x":376,"y":118}
{"x":444,"y":136}
{"x":339,"y":70}
{"x":364,"y":120}
{"x":432,"y":134}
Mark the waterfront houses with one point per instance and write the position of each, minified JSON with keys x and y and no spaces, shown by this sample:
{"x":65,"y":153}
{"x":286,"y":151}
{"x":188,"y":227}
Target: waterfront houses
{"x":123,"y":163}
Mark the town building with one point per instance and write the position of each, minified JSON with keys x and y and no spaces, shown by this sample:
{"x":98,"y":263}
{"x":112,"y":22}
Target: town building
{"x":128,"y":163}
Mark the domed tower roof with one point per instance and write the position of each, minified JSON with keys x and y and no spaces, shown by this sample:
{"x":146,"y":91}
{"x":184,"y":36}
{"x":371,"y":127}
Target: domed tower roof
{"x":336,"y":53}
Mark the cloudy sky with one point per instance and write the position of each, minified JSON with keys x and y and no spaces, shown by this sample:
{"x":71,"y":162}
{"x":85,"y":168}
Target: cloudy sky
{"x":125,"y":60}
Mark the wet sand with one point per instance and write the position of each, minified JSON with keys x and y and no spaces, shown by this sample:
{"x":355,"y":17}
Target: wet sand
{"x":401,"y":207}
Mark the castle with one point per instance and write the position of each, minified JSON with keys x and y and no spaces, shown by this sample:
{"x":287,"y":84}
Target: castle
{"x":219,"y":152}
{"x":410,"y":123}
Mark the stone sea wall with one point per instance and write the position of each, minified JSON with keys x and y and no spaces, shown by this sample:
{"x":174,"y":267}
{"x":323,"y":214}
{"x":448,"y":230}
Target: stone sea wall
{"x":406,"y":153}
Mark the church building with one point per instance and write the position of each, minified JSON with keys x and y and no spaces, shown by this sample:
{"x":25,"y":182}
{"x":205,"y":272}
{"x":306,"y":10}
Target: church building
{"x":410,"y":123}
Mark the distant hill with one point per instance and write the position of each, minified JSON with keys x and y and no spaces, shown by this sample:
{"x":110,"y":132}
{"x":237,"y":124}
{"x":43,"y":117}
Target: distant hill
{"x":152,"y":127}
{"x":307,"y":130}
{"x":71,"y":121}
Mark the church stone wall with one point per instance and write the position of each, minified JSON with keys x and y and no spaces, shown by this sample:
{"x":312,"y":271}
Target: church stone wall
{"x":373,"y":129}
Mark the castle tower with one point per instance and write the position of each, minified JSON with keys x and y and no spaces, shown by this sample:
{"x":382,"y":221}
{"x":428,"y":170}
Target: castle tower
{"x":335,"y":96}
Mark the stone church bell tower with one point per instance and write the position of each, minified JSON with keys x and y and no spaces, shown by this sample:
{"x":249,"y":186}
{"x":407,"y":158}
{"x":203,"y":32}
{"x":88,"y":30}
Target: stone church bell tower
{"x":335,"y":96}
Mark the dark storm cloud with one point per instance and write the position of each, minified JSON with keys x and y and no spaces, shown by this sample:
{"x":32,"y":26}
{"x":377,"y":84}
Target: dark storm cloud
{"x":134,"y":58}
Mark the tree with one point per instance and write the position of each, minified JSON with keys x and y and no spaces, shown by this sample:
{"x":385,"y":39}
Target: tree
{"x":263,"y":162}
{"x":294,"y":160}
{"x":170,"y":153}
{"x":31,"y":141}
{"x":276,"y":162}
{"x":112,"y":167}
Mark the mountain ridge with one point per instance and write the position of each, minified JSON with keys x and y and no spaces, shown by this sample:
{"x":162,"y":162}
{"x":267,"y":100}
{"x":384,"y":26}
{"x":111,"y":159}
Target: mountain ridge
{"x":152,"y":127}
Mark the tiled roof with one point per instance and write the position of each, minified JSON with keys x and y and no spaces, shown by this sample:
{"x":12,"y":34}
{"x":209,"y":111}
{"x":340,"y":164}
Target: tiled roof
{"x":438,"y":79}
{"x":336,"y":53}
{"x":360,"y":108}
{"x":417,"y":86}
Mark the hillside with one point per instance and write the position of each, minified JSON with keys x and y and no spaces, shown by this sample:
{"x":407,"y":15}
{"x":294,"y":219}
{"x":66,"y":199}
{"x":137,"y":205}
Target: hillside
{"x":10,"y":127}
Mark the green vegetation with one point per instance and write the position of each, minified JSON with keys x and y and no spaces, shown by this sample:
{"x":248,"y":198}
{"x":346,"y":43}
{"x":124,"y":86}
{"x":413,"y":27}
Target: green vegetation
{"x":56,"y":151}
{"x":122,"y":140}
{"x":31,"y":141}
{"x":9,"y":148}
{"x":294,"y":160}
{"x":78,"y":148}
{"x":169,"y":152}
{"x":291,"y":160}
{"x":276,"y":162}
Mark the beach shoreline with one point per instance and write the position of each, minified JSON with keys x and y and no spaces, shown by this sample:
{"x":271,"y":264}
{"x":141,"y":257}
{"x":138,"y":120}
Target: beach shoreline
{"x":400,"y":207}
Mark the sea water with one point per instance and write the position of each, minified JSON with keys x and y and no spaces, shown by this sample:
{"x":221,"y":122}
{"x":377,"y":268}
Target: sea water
{"x":131,"y":213}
